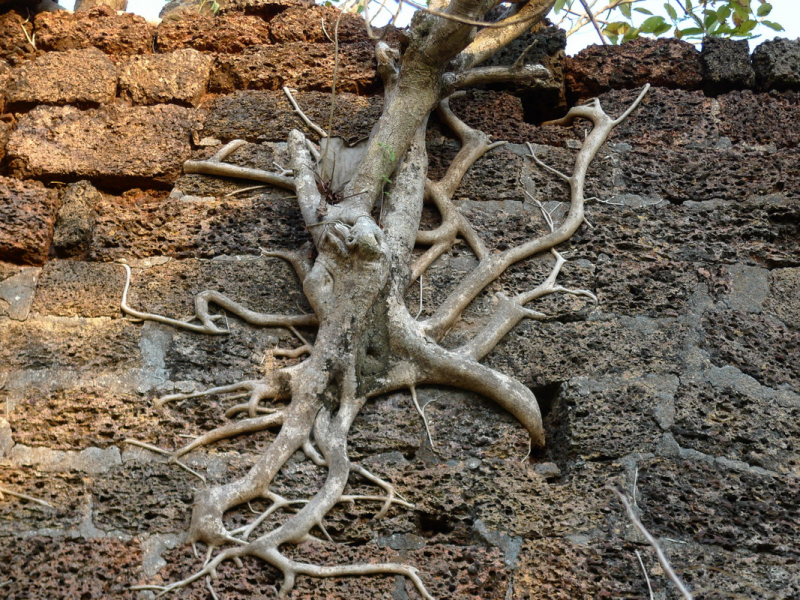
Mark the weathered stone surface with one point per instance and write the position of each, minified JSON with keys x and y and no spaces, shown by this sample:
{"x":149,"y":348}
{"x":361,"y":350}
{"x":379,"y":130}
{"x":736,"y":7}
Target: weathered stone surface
{"x":724,"y":412}
{"x":27,"y":218}
{"x":777,"y":64}
{"x":191,"y":228}
{"x":73,"y":344}
{"x":17,"y":289}
{"x":266,"y":9}
{"x":46,"y":567}
{"x":13,"y":43}
{"x":662,"y":63}
{"x":79,"y":289}
{"x":759,"y":345}
{"x":84,"y":5}
{"x":76,"y":219}
{"x":230,"y":33}
{"x":259,"y":116}
{"x":71,"y":77}
{"x":760,"y":119}
{"x":726,"y":65}
{"x":784,"y":300}
{"x":720,"y":506}
{"x":112,"y":146}
{"x":100,"y":27}
{"x":305,"y":25}
{"x":498,"y":114}
{"x":640,"y":408}
{"x":177,"y":10}
{"x":296,"y":65}
{"x":180,"y":77}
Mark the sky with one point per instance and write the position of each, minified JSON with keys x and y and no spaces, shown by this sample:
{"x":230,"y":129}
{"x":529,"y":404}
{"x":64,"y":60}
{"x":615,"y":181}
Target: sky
{"x":784,"y":12}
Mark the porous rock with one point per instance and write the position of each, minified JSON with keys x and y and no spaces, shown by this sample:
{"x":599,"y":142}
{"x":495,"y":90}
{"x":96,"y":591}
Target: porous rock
{"x":112,"y":145}
{"x":748,"y":118}
{"x":46,"y":567}
{"x":296,"y":65}
{"x":76,"y":219}
{"x":777,"y":64}
{"x":27,"y":218}
{"x":662,"y":63}
{"x":70,"y":288}
{"x":306,"y":25}
{"x":71,"y":77}
{"x":230,"y":33}
{"x":259,"y":116}
{"x":13,"y":43}
{"x":100,"y":27}
{"x":180,"y":77}
{"x":726,"y":65}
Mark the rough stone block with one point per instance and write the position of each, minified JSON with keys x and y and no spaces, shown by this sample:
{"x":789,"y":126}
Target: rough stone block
{"x":180,"y":77}
{"x":13,"y":43}
{"x":229,"y":34}
{"x":719,"y":506}
{"x":100,"y":27}
{"x":112,"y":145}
{"x":726,"y":65}
{"x":27,"y":219}
{"x":637,"y":409}
{"x":760,"y":119}
{"x":724,"y":412}
{"x":306,"y":25}
{"x":79,"y":289}
{"x":52,"y":567}
{"x":662,"y":63}
{"x":66,"y":492}
{"x":759,"y":345}
{"x":784,"y":299}
{"x":187,"y":228}
{"x":5,"y":133}
{"x":71,"y":77}
{"x":259,"y":116}
{"x":17,"y":289}
{"x":76,"y":219}
{"x":777,"y":64}
{"x":72,"y":344}
{"x":298,"y":66}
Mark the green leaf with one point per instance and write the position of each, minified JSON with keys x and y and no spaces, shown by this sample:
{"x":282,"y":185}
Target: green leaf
{"x":673,"y":14}
{"x":625,"y":9}
{"x":631,"y":34}
{"x":663,"y":28}
{"x":773,"y":25}
{"x":689,"y":7}
{"x":691,"y":31}
{"x":723,"y":14}
{"x":709,"y":20}
{"x":747,"y":26}
{"x":558,"y":6}
{"x":644,"y":11}
{"x":650,"y":24}
{"x":764,"y":9}
{"x":615,"y":28}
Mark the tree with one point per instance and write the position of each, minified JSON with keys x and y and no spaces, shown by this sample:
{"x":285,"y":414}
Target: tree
{"x":368,"y":341}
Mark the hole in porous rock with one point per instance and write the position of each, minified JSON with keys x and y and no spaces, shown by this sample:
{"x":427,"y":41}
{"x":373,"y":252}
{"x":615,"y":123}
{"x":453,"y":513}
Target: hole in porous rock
{"x":430,"y":524}
{"x":546,"y":396}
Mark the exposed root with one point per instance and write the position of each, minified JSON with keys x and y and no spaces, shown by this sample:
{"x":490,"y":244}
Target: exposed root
{"x":207,"y":320}
{"x":421,"y":411}
{"x":662,"y":558}
{"x":6,"y":491}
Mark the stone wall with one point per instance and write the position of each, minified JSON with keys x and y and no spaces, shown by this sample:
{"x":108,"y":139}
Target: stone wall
{"x":682,"y":386}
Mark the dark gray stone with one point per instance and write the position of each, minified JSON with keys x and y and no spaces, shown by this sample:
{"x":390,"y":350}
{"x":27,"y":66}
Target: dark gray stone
{"x":777,"y":64}
{"x":726,"y":65}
